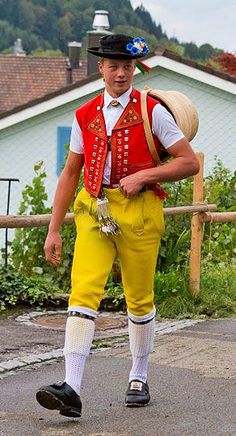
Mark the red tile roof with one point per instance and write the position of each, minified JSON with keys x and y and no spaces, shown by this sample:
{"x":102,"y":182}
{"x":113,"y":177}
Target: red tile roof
{"x":26,"y":78}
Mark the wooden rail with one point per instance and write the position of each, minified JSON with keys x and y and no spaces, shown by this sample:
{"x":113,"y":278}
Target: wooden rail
{"x":14,"y":221}
{"x":217,"y":217}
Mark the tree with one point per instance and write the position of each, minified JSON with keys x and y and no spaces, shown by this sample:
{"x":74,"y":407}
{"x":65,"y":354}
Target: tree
{"x":148,"y":23}
{"x":9,"y":10}
{"x":172,"y":46}
{"x":225,"y":62}
{"x":205,"y":51}
{"x":39,"y":52}
{"x":133,"y":31}
{"x":7,"y":35}
{"x":51,"y":24}
{"x":65,"y":31}
{"x":25,"y":17}
{"x":191,"y":50}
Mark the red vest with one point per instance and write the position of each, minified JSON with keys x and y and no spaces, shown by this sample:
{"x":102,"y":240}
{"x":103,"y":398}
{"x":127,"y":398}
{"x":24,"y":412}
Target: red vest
{"x":129,"y":148}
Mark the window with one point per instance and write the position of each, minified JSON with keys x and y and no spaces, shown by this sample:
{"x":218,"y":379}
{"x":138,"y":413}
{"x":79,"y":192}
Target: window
{"x":63,"y":141}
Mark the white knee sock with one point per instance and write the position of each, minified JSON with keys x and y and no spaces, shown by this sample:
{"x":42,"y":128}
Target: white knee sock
{"x":78,"y":341}
{"x":141,"y":336}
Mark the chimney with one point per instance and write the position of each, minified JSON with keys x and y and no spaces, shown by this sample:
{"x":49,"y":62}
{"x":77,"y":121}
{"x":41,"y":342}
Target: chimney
{"x":74,"y":54}
{"x":100,"y":26}
{"x":73,"y":61}
{"x":18,"y":49}
{"x":101,"y":22}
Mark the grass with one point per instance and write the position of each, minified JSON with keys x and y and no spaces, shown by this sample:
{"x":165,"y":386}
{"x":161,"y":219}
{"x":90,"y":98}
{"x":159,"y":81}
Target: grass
{"x":173,"y":299}
{"x":217,"y":297}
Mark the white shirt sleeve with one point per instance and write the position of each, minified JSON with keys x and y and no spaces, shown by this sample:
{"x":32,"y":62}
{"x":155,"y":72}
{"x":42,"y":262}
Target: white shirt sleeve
{"x":165,"y":127}
{"x":76,"y":138}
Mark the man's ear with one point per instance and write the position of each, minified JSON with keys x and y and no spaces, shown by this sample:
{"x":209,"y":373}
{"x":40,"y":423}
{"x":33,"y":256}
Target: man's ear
{"x":100,"y":67}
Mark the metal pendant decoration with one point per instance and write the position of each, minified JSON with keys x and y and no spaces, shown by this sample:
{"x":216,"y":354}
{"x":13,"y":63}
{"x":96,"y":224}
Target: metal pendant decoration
{"x":107,"y":224}
{"x":114,"y":103}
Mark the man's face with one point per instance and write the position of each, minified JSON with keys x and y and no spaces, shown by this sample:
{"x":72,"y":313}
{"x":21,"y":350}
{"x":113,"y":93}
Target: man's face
{"x":117,"y":75}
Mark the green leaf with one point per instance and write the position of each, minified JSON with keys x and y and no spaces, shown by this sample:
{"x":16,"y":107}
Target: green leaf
{"x":37,"y":270}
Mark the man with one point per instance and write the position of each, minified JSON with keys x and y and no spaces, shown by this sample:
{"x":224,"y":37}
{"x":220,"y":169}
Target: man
{"x":119,"y":212}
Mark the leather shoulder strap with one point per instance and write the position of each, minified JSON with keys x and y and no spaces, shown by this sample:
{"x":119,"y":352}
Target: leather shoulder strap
{"x":147,"y":127}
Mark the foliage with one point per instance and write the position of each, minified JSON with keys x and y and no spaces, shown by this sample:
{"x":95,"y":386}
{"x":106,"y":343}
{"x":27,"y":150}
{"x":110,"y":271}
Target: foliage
{"x":148,"y":23}
{"x":172,"y":45}
{"x":219,"y":240}
{"x":205,"y":51}
{"x":216,"y":299}
{"x":27,"y":253}
{"x":220,"y":187}
{"x":175,"y":244}
{"x":27,"y":246}
{"x":130,"y":30}
{"x":52,"y":24}
{"x":225,"y":62}
{"x":17,"y":288}
{"x":218,"y":296}
{"x":46,"y":53}
{"x":202,"y":53}
{"x":191,"y":50}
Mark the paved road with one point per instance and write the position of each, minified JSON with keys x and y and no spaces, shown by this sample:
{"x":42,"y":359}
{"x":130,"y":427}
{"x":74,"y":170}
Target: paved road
{"x":192,"y":380}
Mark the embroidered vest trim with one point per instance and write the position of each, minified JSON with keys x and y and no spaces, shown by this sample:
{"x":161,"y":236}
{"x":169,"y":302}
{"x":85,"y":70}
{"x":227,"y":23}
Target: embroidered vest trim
{"x":129,"y":148}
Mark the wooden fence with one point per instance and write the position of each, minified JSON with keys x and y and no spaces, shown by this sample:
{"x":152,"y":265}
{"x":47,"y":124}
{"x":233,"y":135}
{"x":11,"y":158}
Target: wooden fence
{"x":198,"y":220}
{"x":201,"y":211}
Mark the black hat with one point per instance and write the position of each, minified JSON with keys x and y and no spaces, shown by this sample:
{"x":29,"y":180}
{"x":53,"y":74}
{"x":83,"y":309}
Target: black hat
{"x":119,"y":46}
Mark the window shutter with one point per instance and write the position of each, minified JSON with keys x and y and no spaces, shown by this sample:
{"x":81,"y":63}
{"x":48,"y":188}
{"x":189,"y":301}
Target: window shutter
{"x":63,"y":141}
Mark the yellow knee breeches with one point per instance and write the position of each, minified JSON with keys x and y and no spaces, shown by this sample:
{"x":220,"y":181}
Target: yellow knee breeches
{"x":142,"y":225}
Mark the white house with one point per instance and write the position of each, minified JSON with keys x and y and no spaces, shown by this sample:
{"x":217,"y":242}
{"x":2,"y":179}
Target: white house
{"x":40,"y":128}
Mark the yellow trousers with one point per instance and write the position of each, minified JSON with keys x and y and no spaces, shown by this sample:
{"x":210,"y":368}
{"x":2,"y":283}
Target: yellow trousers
{"x":142,"y":225}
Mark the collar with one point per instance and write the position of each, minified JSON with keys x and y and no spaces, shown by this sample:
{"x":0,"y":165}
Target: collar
{"x":123,"y":99}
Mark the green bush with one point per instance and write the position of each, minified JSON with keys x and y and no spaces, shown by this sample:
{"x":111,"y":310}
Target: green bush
{"x":16,"y":288}
{"x":216,"y":299}
{"x":27,"y":246}
{"x":219,"y":243}
{"x":219,"y":240}
{"x":27,"y":253}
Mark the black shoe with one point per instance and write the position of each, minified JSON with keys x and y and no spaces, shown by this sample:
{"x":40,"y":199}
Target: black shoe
{"x":137,"y":394}
{"x":60,"y":396}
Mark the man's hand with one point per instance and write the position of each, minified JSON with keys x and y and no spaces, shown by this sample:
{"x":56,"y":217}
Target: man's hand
{"x":65,"y":191}
{"x":131,"y":185}
{"x":52,"y":248}
{"x":184,"y":164}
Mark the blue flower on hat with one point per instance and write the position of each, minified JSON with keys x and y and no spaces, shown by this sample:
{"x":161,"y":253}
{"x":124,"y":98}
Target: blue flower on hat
{"x":139,"y":46}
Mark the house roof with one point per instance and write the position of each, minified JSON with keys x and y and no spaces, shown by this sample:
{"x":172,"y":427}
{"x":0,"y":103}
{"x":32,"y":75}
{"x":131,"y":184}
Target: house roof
{"x":26,"y":78}
{"x":84,"y":85}
{"x":191,"y":63}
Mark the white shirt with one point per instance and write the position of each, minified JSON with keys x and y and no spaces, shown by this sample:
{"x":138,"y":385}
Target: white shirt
{"x":163,"y":126}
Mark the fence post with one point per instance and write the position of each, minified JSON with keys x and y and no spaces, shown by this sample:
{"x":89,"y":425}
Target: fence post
{"x":8,"y":208}
{"x":196,"y":231}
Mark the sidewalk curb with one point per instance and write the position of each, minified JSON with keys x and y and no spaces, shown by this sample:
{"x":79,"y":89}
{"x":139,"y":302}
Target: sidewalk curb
{"x":162,"y":328}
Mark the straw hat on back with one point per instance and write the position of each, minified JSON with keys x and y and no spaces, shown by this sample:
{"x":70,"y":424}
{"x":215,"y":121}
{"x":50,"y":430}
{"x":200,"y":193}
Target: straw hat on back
{"x":182,"y":109}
